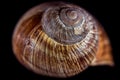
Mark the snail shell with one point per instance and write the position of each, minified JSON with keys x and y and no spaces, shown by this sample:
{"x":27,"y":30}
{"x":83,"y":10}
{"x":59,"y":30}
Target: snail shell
{"x":60,"y":40}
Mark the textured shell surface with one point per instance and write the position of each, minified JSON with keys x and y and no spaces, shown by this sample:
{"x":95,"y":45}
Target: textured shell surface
{"x":56,"y":39}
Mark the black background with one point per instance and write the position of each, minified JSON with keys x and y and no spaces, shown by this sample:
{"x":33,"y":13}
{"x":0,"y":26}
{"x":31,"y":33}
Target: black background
{"x":12,"y":10}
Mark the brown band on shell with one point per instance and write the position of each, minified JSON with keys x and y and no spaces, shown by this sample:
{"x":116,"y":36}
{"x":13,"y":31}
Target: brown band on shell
{"x":104,"y":52}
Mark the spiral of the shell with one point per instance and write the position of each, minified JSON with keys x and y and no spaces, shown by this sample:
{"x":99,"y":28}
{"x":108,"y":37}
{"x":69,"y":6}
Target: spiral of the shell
{"x":56,"y":39}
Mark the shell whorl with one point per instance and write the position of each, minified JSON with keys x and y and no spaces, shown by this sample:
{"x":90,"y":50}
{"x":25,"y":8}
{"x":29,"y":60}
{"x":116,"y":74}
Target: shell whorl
{"x":60,"y":40}
{"x":66,"y":24}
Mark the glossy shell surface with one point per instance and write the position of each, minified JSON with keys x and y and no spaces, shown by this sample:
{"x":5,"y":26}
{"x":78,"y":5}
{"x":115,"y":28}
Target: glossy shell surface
{"x":56,"y":39}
